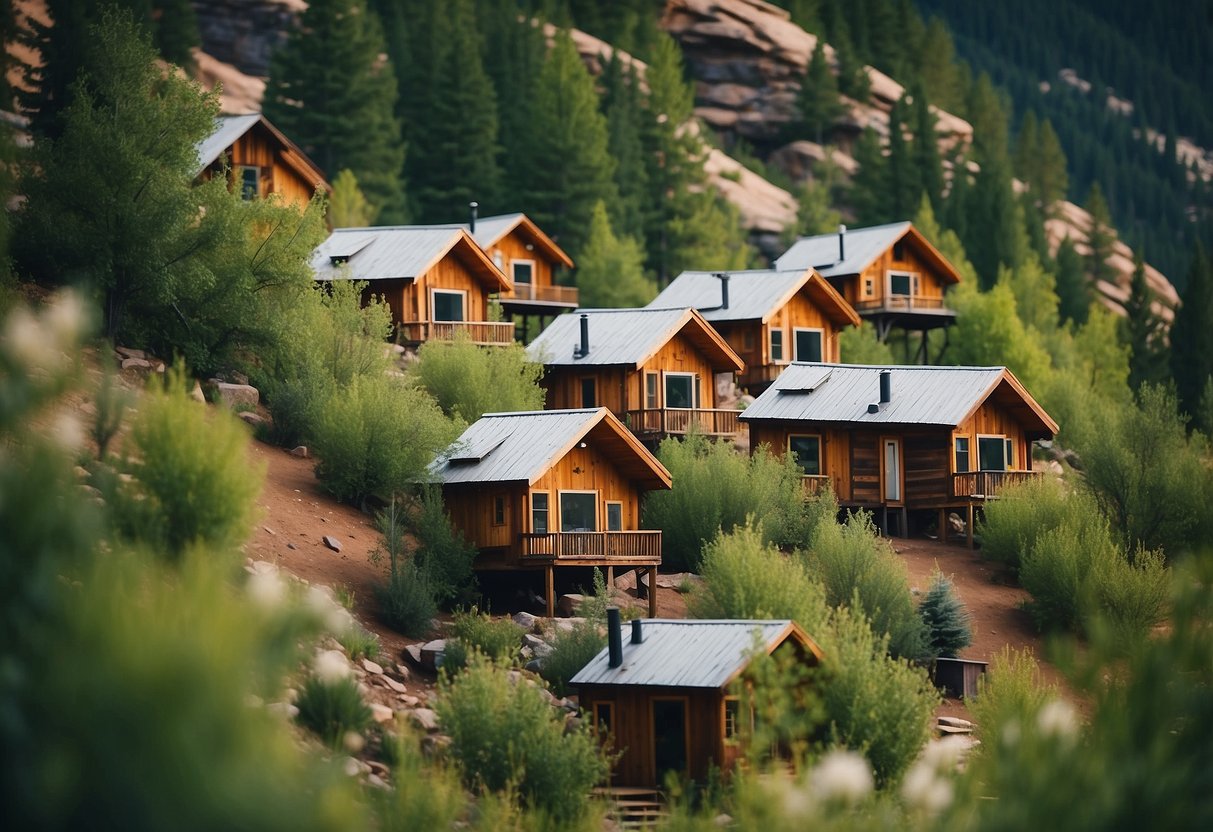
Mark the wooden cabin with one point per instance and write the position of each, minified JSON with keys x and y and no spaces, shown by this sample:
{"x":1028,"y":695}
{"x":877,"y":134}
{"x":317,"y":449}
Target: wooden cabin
{"x":653,"y":368}
{"x":259,"y":160}
{"x":549,"y":489}
{"x":903,"y":439}
{"x":769,"y":318}
{"x":663,"y":693}
{"x":890,"y":274}
{"x":436,"y":279}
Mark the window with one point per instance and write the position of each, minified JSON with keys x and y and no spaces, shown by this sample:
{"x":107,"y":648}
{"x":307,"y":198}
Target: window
{"x":650,"y":391}
{"x":806,"y":450}
{"x":900,"y":284}
{"x":448,"y":305}
{"x":899,"y":251}
{"x":523,"y":271}
{"x":991,"y":453}
{"x":808,"y":345}
{"x":249,"y":179}
{"x":614,"y":517}
{"x":869,"y":287}
{"x":962,"y":454}
{"x":679,"y":390}
{"x":777,"y":345}
{"x":732,"y":717}
{"x":604,"y":717}
{"x":578,"y":511}
{"x":589,"y":392}
{"x":539,"y":512}
{"x":499,"y":511}
{"x":1010,"y":454}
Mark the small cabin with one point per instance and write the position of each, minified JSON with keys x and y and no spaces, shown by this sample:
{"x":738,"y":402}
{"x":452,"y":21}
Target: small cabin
{"x":769,"y":318}
{"x":437,"y":281}
{"x":549,"y":489}
{"x":890,"y":274}
{"x":656,"y":369}
{"x":663,"y":694}
{"x":903,"y":441}
{"x":259,"y":160}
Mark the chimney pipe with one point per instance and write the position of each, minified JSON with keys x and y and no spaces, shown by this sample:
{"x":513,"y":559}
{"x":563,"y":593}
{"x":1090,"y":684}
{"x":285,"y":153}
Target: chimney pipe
{"x":474,"y":208}
{"x":724,"y":289}
{"x":842,"y":243}
{"x":584,"y":348}
{"x":614,"y":638}
{"x":886,"y":386}
{"x":637,"y":631}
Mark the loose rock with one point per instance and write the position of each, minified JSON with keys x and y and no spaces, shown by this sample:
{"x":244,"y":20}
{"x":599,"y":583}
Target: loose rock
{"x":382,"y":713}
{"x":299,"y":451}
{"x":234,"y":395}
{"x":332,"y":543}
{"x":372,"y":667}
{"x":425,"y":718}
{"x":525,"y":620}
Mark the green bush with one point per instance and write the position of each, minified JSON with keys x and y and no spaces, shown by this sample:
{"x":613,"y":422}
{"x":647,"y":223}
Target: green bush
{"x":468,"y":381}
{"x":746,"y":578}
{"x":442,"y":552}
{"x":505,"y":735}
{"x":945,"y":619}
{"x":376,"y":437}
{"x":1023,"y":512}
{"x":406,"y":601}
{"x":1011,"y":689}
{"x":571,"y":650}
{"x":1131,"y":597}
{"x":498,"y":640}
{"x":716,"y":489}
{"x":857,"y":567}
{"x":1057,"y":570}
{"x":331,"y":709}
{"x":358,"y":642}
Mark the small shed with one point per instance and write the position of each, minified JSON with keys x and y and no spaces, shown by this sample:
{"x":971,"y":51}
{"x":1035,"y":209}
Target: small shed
{"x":957,"y":677}
{"x":664,"y":699}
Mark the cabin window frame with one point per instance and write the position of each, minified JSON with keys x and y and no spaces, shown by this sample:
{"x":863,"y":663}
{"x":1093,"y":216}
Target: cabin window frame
{"x":609,"y":706}
{"x":463,"y":305}
{"x":820,"y":444}
{"x":993,"y":436}
{"x":499,"y":510}
{"x":899,"y":251}
{"x":1010,"y":453}
{"x":869,"y":287}
{"x":956,"y":452}
{"x":514,"y":270}
{"x":900,"y":497}
{"x":732,"y":735}
{"x":240,"y":172}
{"x":652,"y":390}
{"x":607,"y":506}
{"x":546,"y":510}
{"x":560,"y":492}
{"x":581,"y":386}
{"x":694,"y":388}
{"x":821,"y":337}
{"x":912,"y":284}
{"x":775,"y":330}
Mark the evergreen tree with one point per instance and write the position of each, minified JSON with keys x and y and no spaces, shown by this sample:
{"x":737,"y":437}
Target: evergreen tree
{"x":1101,"y":238}
{"x":1027,"y":145}
{"x":947,"y":622}
{"x":610,"y":271}
{"x":1192,"y":335}
{"x":60,"y":45}
{"x":175,"y":30}
{"x":814,"y":214}
{"x":1052,"y":181}
{"x":622,"y":105}
{"x":347,"y":207}
{"x":869,"y":190}
{"x":1073,"y":288}
{"x":853,"y":77}
{"x":332,"y":94}
{"x":902,"y":182}
{"x":937,"y":70}
{"x":925,"y":153}
{"x":1143,"y":331}
{"x":817,"y":101}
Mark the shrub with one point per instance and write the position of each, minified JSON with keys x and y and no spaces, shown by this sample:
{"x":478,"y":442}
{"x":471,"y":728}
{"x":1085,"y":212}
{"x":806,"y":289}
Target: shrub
{"x":376,"y":437}
{"x":331,"y":709}
{"x":1131,"y":597}
{"x":571,"y":650}
{"x":442,"y":552}
{"x":496,"y":639}
{"x":715,"y":490}
{"x":857,"y":567}
{"x":504,"y":734}
{"x":406,"y":601}
{"x":945,"y":619}
{"x":425,"y":794}
{"x":746,"y":578}
{"x":1023,"y":512}
{"x":1011,"y":689}
{"x":358,"y":642}
{"x":468,"y":381}
{"x":1056,"y":573}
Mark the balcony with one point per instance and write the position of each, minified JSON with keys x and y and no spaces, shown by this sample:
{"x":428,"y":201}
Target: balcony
{"x":640,"y":547}
{"x":480,"y":332}
{"x":814,"y":484}
{"x":526,"y":294}
{"x":678,"y":421}
{"x":902,"y":303}
{"x":987,"y":485}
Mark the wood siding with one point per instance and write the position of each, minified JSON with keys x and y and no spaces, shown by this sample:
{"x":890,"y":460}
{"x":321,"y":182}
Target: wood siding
{"x":410,"y":300}
{"x":258,"y":148}
{"x":513,"y":246}
{"x":751,"y":340}
{"x":930,"y":282}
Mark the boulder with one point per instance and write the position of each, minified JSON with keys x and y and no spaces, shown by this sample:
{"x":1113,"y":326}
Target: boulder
{"x":381,"y":713}
{"x":300,"y":451}
{"x":412,"y":653}
{"x":129,"y":352}
{"x":432,"y":653}
{"x":626,"y":582}
{"x":331,"y":543}
{"x":425,"y":719}
{"x":237,"y":395}
{"x":251,"y":418}
{"x":525,"y":620}
{"x":371,"y":667}
{"x":136,"y":364}
{"x":568,"y":605}
{"x":540,"y":647}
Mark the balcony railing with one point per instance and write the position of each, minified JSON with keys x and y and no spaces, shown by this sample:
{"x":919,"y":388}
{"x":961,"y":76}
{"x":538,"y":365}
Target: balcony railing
{"x":563,"y":295}
{"x":677,"y":421}
{"x":814,"y":484}
{"x":481,"y":332}
{"x":569,"y":546}
{"x":902,"y":303}
{"x":987,"y":485}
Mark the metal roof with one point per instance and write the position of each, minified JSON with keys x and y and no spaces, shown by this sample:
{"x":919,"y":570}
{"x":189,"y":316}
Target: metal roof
{"x":686,"y":653}
{"x":753,"y":295}
{"x":379,"y":253}
{"x":863,"y":245}
{"x":491,"y":229}
{"x":523,"y":446}
{"x":227,"y":130}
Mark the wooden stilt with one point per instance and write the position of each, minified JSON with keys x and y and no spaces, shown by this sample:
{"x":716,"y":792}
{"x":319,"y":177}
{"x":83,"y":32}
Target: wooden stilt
{"x":610,"y":578}
{"x":549,"y":590}
{"x":652,"y":592}
{"x":943,"y":525}
{"x":969,"y":525}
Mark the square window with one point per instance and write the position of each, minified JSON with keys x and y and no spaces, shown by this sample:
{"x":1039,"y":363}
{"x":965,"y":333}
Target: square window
{"x":992,"y":453}
{"x":679,"y":390}
{"x":523,"y":271}
{"x":578,"y":511}
{"x":808,"y":345}
{"x":806,"y":450}
{"x":899,"y":284}
{"x":448,"y":306}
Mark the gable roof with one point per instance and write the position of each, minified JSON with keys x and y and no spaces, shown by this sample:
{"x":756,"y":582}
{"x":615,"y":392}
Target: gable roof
{"x":629,"y":337}
{"x":490,"y":230}
{"x":402,"y":251}
{"x":862,"y":247}
{"x":754,"y":294}
{"x":940,"y":396}
{"x":522,"y":447}
{"x":689,"y":653}
{"x":229,"y":129}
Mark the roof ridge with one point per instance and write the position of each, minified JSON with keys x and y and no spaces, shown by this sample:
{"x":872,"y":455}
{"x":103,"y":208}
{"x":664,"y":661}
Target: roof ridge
{"x":990,"y":367}
{"x":561,"y":411}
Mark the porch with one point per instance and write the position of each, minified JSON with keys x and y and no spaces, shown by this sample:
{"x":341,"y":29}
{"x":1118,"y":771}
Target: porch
{"x":486,"y":333}
{"x":987,"y":485}
{"x":814,"y":484}
{"x":528,"y":294}
{"x":639,"y":549}
{"x":678,"y":421}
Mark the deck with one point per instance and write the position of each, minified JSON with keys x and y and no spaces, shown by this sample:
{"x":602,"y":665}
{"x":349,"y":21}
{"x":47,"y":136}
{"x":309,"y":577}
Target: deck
{"x":677,"y":421}
{"x":624,"y":548}
{"x":987,"y":485}
{"x":527,"y":295}
{"x":498,"y":333}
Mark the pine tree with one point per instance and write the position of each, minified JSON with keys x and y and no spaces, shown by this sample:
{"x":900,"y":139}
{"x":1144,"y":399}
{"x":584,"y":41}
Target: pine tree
{"x":347,"y":206}
{"x":853,"y":77}
{"x":1101,"y":238}
{"x":1073,"y":288}
{"x":621,"y":103}
{"x":817,"y":101}
{"x":948,"y":623}
{"x":60,"y":47}
{"x":176,"y":30}
{"x":1192,"y":335}
{"x":925,"y":151}
{"x":869,"y":189}
{"x":1052,"y":179}
{"x":330,"y":92}
{"x":937,"y":68}
{"x":902,"y":180}
{"x":610,"y":271}
{"x":1143,"y":331}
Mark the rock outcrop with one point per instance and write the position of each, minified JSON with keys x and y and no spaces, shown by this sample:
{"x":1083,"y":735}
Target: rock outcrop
{"x":244,"y":33}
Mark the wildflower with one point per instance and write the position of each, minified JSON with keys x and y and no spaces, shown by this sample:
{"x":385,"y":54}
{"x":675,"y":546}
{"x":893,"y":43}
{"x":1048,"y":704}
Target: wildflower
{"x":67,"y":431}
{"x":266,"y":589}
{"x":31,"y":343}
{"x":65,"y":317}
{"x":843,"y":776}
{"x":331,"y":666}
{"x":1058,"y":719}
{"x":924,"y":789}
{"x":944,"y":755}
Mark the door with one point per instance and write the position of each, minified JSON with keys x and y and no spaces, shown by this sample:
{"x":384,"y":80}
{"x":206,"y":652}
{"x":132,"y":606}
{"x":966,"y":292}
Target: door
{"x":808,"y":345}
{"x":589,"y":392}
{"x":669,"y":737}
{"x":892,"y":470}
{"x":578,"y":511}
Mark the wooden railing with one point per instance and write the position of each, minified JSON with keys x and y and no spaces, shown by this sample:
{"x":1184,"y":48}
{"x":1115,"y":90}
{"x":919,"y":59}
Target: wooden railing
{"x":814,"y":484}
{"x":899,"y":303}
{"x":986,"y":485}
{"x":678,"y":421}
{"x":481,"y":332}
{"x":638,"y":545}
{"x":566,"y":295}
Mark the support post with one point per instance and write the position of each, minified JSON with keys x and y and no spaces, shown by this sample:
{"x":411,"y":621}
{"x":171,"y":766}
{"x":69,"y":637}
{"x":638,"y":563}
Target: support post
{"x":969,"y":525}
{"x":610,"y":578}
{"x":549,"y":590}
{"x":652,"y":592}
{"x":943,"y":525}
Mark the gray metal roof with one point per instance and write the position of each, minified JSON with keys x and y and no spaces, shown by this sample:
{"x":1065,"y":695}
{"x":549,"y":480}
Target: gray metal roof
{"x":685,"y":653}
{"x":753,"y":295}
{"x":491,"y":229}
{"x":863,"y":245}
{"x":842,"y":392}
{"x":380,"y":253}
{"x":227,"y":130}
{"x":617,"y":336}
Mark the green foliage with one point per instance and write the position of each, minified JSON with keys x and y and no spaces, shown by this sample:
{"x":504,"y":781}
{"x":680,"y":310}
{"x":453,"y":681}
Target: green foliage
{"x":358,"y":642}
{"x":571,"y":650}
{"x":947,"y":622}
{"x":989,"y":332}
{"x":347,"y":206}
{"x":406,"y":601}
{"x":468,"y":381}
{"x":746,"y":578}
{"x":716,"y":489}
{"x":425,"y":793}
{"x":871,"y":181}
{"x":475,"y":632}
{"x":859,"y":345}
{"x":1011,"y":690}
{"x":111,"y":401}
{"x":1191,"y":335}
{"x":505,"y":735}
{"x":442,"y":552}
{"x":1131,"y":596}
{"x":858,"y":568}
{"x":1073,"y":290}
{"x":817,"y":101}
{"x":1023,"y":512}
{"x":1102,"y":236}
{"x":1144,"y":331}
{"x":331,"y":709}
{"x":610,"y":273}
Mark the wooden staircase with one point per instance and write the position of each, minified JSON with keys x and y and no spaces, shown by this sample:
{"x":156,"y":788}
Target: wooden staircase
{"x":633,"y":808}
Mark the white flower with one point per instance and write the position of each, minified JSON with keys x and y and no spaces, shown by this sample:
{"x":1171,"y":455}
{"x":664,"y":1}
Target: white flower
{"x":67,"y":431}
{"x":29,"y":342}
{"x":842,"y":775}
{"x":924,"y":789}
{"x":319,"y":602}
{"x":266,"y":589}
{"x":331,"y":666}
{"x":1058,"y":719}
{"x":65,"y":317}
{"x":1010,"y":733}
{"x":944,"y":755}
